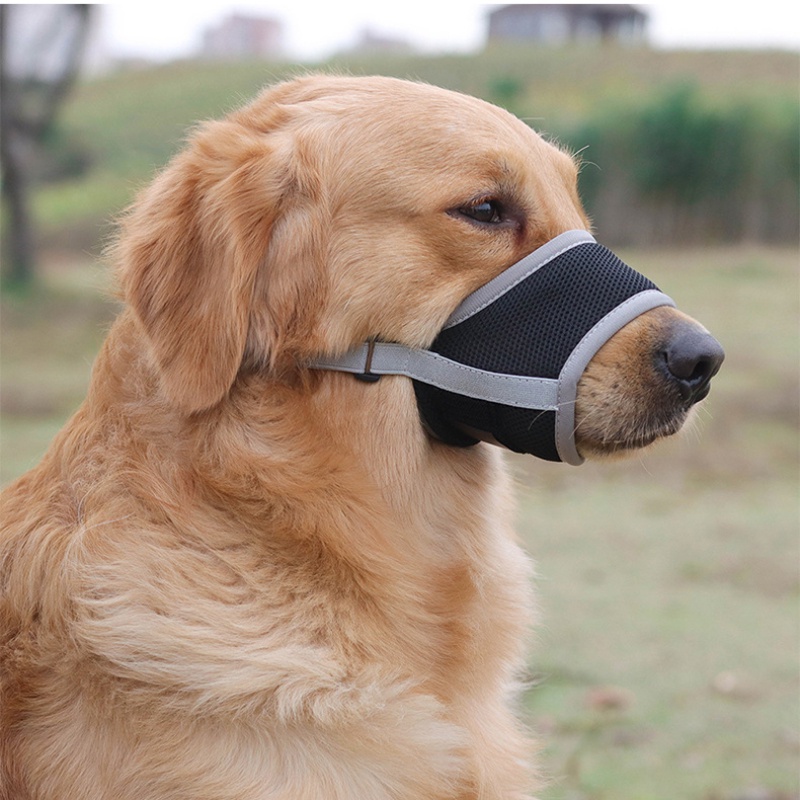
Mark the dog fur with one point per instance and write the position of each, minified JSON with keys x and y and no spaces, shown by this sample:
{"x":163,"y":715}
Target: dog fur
{"x":235,"y":578}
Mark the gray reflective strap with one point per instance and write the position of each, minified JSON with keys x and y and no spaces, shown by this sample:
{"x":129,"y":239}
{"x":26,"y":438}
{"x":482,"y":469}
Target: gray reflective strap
{"x":516,"y":273}
{"x":583,"y":353}
{"x":435,"y":370}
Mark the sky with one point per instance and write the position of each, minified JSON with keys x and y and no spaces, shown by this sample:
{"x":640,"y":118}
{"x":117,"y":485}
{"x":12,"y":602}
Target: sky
{"x":173,"y":29}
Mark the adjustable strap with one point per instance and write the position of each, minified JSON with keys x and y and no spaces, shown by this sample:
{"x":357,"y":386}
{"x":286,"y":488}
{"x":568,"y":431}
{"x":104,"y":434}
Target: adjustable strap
{"x":373,"y":359}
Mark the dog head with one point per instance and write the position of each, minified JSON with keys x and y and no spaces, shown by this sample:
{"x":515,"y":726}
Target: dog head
{"x":331,"y":211}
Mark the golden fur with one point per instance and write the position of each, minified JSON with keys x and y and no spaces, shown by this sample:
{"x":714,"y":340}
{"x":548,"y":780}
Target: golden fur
{"x":235,"y":578}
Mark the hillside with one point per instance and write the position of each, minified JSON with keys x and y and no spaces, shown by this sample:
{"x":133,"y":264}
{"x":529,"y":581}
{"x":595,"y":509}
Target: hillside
{"x":127,"y":125}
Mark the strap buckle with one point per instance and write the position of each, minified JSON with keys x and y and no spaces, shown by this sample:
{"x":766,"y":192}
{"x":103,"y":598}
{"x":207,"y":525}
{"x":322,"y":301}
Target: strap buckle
{"x":367,"y":376}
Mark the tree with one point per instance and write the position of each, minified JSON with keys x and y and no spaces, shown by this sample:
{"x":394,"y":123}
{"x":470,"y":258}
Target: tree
{"x":40,"y":54}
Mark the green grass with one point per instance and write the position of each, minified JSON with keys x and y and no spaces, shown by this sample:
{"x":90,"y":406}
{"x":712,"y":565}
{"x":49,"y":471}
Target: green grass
{"x":49,"y":338}
{"x":668,"y":583}
{"x":684,"y":602}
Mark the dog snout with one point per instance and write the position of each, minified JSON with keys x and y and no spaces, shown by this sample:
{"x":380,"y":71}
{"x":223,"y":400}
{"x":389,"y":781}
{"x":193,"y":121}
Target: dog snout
{"x":690,"y":358}
{"x":642,"y":383}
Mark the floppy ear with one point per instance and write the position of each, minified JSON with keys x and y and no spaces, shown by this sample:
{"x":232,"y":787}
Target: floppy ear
{"x":190,"y":249}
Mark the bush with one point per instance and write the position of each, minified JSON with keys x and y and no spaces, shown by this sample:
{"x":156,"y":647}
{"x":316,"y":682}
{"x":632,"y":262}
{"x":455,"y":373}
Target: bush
{"x":680,"y":169}
{"x":685,"y":152}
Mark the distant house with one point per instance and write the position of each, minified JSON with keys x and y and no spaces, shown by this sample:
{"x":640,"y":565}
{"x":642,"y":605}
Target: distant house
{"x":561,"y":23}
{"x":239,"y":37}
{"x":370,"y":42}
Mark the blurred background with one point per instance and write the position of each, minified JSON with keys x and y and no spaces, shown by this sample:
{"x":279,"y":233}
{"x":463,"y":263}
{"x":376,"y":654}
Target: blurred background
{"x":666,"y":665}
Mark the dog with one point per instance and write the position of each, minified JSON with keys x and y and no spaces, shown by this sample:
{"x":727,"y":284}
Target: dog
{"x":234,"y":576}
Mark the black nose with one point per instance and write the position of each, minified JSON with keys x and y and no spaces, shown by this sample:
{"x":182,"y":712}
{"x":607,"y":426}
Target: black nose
{"x":692,"y":357}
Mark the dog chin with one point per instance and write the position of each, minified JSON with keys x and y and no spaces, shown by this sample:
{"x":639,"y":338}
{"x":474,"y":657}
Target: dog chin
{"x":616,"y":445}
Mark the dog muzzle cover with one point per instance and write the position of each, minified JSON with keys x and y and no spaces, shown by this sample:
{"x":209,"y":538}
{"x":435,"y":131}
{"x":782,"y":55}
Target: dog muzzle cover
{"x":505,"y":367}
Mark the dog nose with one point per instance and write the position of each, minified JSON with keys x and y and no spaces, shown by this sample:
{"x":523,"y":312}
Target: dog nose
{"x":692,"y":357}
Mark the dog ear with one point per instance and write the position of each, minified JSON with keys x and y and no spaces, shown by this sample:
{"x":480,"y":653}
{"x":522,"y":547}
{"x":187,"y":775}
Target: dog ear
{"x":190,"y":249}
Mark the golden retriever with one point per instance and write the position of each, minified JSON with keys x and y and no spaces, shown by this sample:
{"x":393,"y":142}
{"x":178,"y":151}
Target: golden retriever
{"x":234,"y":577}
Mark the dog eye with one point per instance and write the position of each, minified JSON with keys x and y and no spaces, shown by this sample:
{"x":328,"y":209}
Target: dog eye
{"x":487,"y":211}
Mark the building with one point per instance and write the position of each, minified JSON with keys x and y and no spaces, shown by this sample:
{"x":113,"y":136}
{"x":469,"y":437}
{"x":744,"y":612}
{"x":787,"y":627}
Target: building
{"x":239,"y":37}
{"x":557,"y":23}
{"x":369,"y":42}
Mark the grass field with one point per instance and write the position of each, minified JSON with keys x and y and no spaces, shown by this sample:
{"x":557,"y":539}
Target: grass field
{"x":666,"y":661}
{"x":673,"y":579}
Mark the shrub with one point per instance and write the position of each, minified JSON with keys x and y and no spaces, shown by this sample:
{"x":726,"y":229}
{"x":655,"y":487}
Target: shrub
{"x":679,"y":168}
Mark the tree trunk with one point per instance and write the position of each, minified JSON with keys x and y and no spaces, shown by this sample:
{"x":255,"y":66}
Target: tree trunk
{"x":17,"y":250}
{"x":23,"y":125}
{"x":17,"y":243}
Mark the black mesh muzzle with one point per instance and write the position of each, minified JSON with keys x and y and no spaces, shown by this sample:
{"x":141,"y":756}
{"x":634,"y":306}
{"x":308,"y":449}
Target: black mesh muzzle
{"x":530,"y":329}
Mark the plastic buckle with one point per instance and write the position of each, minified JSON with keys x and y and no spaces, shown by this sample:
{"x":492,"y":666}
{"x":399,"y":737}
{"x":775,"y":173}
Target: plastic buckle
{"x":367,"y":376}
